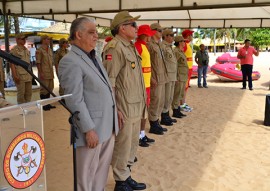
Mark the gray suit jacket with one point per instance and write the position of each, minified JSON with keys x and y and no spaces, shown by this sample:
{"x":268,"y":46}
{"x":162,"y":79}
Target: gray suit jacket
{"x":92,"y":95}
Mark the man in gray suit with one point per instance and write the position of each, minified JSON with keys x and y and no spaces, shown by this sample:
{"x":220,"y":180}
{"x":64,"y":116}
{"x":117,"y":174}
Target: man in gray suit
{"x":82,"y":75}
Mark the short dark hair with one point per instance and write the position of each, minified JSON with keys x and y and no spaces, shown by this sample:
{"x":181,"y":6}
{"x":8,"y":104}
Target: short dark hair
{"x":176,"y":43}
{"x":247,"y":40}
{"x":201,"y":45}
{"x":115,"y":31}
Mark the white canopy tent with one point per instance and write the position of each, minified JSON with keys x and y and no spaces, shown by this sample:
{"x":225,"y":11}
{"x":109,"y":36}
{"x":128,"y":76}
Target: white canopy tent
{"x":176,"y":13}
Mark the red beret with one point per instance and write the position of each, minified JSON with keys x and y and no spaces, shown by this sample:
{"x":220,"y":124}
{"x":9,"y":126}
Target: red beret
{"x":187,"y":33}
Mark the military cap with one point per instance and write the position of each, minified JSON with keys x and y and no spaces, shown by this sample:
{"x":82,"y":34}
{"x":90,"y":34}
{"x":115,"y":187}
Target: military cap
{"x":179,"y":39}
{"x":20,"y":36}
{"x":167,"y":32}
{"x":62,"y":41}
{"x":122,"y":17}
{"x":156,"y":26}
{"x":43,"y":37}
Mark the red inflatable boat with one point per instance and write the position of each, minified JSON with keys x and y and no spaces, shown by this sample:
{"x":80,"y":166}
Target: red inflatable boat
{"x":228,"y":72}
{"x":226,"y":57}
{"x":195,"y":71}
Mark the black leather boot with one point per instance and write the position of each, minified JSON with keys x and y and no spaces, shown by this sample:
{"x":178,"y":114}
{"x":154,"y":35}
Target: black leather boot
{"x":49,"y":105}
{"x":183,"y":115}
{"x":176,"y":113}
{"x":45,"y":107}
{"x":135,"y":185}
{"x":165,"y":120}
{"x":155,"y":128}
{"x":172,"y":120}
{"x":122,"y":186}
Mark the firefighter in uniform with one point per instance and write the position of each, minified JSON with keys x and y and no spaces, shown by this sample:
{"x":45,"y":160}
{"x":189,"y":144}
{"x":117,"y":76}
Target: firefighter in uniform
{"x":144,"y":36}
{"x":59,"y":54}
{"x":21,"y":77}
{"x":44,"y":59}
{"x":182,"y":76}
{"x":170,"y":61}
{"x":159,"y":78}
{"x":123,"y":65}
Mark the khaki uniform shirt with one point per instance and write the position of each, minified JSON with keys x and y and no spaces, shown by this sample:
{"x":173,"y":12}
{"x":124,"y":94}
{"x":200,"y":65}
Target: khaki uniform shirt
{"x":44,"y":57}
{"x":23,"y":53}
{"x":182,"y":66}
{"x":59,"y":54}
{"x":122,"y":62}
{"x":170,"y":61}
{"x":158,"y":67}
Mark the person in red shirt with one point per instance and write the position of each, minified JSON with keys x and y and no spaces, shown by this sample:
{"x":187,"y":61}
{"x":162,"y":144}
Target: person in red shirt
{"x":144,"y":35}
{"x":245,"y":55}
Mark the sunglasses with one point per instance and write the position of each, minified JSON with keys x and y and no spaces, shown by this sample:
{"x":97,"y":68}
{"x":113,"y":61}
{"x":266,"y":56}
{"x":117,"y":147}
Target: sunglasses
{"x":159,"y":30}
{"x":133,"y":24}
{"x":171,"y":35}
{"x":181,"y":41}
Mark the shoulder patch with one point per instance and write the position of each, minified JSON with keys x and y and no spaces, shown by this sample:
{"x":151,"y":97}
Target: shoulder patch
{"x":108,"y":57}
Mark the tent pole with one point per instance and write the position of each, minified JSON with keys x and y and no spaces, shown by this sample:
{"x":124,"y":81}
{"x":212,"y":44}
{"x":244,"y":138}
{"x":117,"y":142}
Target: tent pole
{"x":6,"y":28}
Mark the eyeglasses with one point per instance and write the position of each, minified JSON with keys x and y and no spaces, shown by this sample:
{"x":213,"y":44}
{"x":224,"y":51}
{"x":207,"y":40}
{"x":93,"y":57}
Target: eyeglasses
{"x":133,"y":24}
{"x":171,"y":35}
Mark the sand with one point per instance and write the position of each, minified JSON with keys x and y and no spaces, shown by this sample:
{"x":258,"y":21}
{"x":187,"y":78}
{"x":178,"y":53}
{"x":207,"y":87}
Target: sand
{"x":222,"y":145}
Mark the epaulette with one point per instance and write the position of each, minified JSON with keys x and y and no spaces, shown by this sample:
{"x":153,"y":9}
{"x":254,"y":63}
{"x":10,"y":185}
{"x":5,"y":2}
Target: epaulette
{"x":112,"y":43}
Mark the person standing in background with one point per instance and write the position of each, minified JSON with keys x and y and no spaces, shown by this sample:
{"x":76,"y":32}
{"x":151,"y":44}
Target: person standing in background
{"x":202,"y":59}
{"x":144,"y":36}
{"x":245,"y":55}
{"x":182,"y":76}
{"x":33,"y":55}
{"x":159,"y":78}
{"x":59,"y":54}
{"x":171,"y":63}
{"x":44,"y":56}
{"x":21,"y":77}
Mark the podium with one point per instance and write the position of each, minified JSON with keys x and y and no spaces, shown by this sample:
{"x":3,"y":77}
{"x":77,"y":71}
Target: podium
{"x":22,"y":149}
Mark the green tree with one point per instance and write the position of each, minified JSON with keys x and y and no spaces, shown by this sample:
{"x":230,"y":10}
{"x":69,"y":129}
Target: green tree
{"x":103,"y":32}
{"x":260,"y":37}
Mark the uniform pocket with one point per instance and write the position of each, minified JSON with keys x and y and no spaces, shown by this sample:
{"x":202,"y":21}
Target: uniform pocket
{"x":133,"y":80}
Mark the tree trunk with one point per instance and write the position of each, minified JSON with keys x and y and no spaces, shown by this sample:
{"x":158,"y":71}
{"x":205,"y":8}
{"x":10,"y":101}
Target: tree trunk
{"x":215,"y":36}
{"x":16,"y":25}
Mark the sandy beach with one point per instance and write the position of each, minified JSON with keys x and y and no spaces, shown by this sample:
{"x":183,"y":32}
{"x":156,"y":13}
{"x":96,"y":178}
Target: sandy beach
{"x":222,"y":145}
